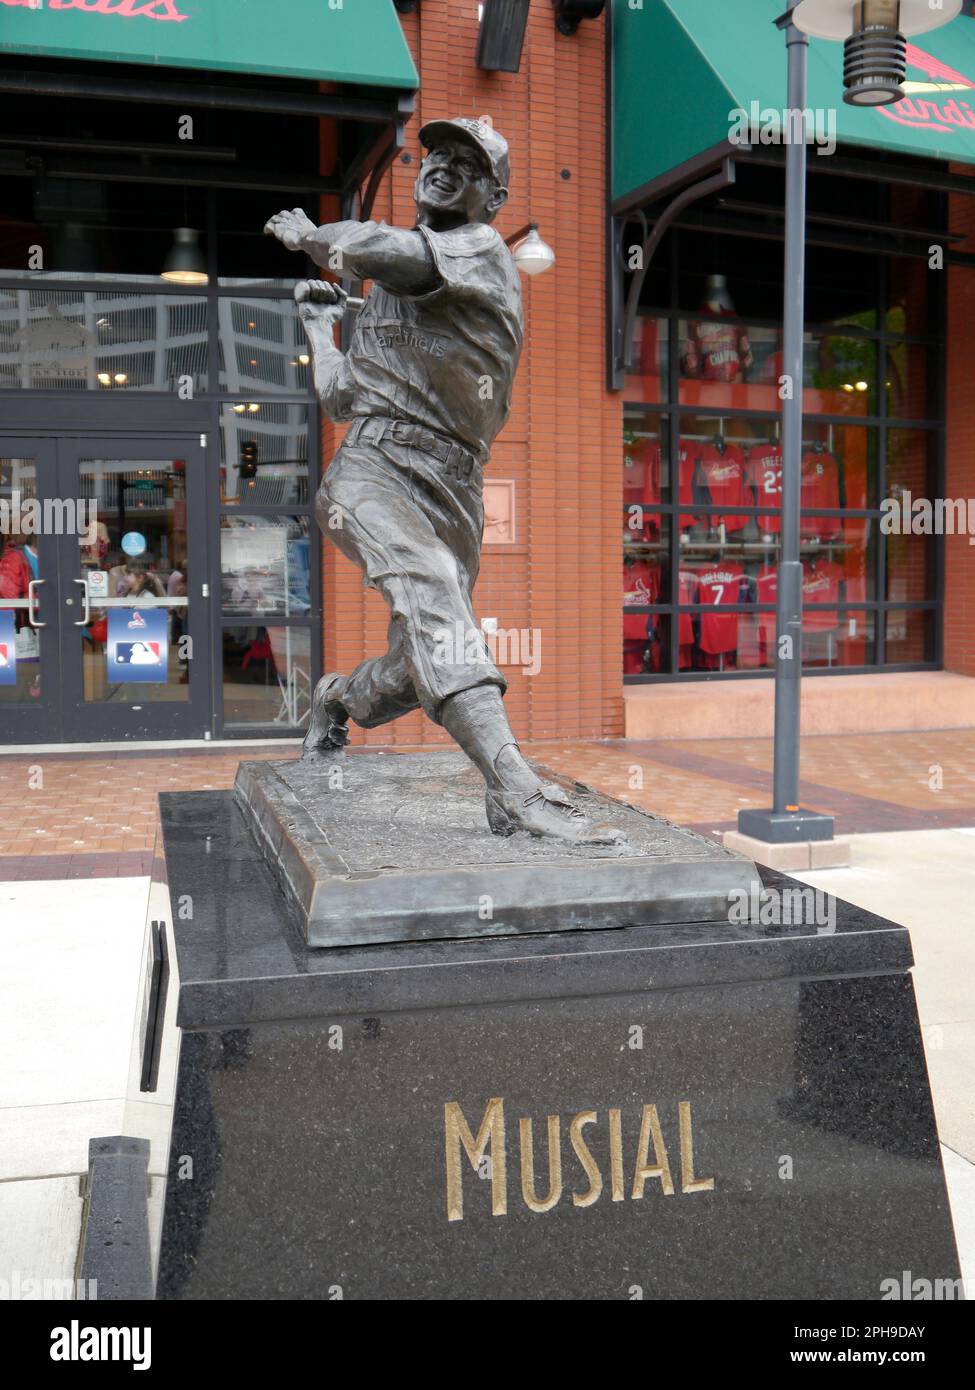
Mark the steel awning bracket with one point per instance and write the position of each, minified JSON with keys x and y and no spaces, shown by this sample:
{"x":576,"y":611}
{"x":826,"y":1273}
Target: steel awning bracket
{"x":623,"y":316}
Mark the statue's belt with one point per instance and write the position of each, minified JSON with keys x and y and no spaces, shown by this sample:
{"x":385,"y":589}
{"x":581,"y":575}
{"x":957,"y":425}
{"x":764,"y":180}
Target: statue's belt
{"x":457,"y":460}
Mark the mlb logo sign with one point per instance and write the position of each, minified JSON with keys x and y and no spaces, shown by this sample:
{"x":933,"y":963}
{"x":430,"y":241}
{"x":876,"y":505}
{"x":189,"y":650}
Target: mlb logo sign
{"x":138,"y":646}
{"x":138,"y":653}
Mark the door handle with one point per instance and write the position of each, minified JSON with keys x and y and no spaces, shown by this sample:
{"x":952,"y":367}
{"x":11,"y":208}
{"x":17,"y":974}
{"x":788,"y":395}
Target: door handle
{"x":85,"y":618}
{"x":32,"y":617}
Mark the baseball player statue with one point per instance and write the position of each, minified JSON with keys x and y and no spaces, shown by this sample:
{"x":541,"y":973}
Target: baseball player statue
{"x":426,"y":383}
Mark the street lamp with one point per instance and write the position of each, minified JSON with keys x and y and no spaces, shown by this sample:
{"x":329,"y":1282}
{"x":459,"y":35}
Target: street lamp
{"x":872,"y":30}
{"x":874,"y":34}
{"x":530,"y":253}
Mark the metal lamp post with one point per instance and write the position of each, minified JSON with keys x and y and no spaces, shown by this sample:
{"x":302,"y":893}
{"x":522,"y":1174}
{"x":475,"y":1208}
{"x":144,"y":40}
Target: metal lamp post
{"x":874,"y":68}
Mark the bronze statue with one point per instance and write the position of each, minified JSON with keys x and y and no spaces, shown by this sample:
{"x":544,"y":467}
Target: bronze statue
{"x":427,"y":384}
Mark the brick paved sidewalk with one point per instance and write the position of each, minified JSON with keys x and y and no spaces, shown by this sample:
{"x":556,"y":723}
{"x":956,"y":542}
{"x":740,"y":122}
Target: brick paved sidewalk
{"x":94,"y":815}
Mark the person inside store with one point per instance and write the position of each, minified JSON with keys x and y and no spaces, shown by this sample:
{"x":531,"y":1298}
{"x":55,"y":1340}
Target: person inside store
{"x":16,"y":568}
{"x":131,"y":579}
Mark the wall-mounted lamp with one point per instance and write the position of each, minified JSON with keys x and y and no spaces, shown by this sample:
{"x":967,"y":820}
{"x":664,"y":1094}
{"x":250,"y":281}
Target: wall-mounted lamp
{"x":530,"y":253}
{"x":501,"y":35}
{"x":569,"y":14}
{"x":405,"y":6}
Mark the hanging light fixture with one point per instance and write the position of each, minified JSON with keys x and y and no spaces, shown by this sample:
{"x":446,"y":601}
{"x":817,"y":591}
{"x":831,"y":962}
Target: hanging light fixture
{"x":530,"y":253}
{"x":875,"y":44}
{"x":185,"y":264}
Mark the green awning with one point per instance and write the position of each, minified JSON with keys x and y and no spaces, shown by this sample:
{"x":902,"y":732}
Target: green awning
{"x":357,"y":41}
{"x":680,"y":67}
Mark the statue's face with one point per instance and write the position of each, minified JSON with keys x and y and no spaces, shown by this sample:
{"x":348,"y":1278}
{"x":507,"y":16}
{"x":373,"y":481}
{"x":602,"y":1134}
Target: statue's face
{"x":455,"y":184}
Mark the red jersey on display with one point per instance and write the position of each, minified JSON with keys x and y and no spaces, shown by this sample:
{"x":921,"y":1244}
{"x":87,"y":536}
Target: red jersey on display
{"x":820,"y":584}
{"x":765,"y":476}
{"x":716,"y":587}
{"x":685,"y":627}
{"x":820,"y":488}
{"x":641,"y":583}
{"x":688,"y":454}
{"x":641,"y":473}
{"x":723,"y":474}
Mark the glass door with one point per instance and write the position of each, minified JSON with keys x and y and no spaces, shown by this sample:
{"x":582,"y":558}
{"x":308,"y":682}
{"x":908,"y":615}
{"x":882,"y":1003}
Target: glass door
{"x":133,"y":605}
{"x":29,"y":648}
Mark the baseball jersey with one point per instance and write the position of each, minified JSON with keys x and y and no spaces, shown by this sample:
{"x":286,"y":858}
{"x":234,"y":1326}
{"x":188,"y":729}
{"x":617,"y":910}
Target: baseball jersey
{"x":716,"y":587}
{"x":820,"y":488}
{"x":641,"y":582}
{"x":723,"y":474}
{"x":445,"y":359}
{"x":641,"y":473}
{"x":688,"y":455}
{"x":687,"y":581}
{"x":820,"y":584}
{"x":764,"y":474}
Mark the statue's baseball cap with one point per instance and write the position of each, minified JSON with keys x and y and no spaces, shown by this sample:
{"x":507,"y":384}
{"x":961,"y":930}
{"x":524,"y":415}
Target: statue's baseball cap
{"x":485,"y":138}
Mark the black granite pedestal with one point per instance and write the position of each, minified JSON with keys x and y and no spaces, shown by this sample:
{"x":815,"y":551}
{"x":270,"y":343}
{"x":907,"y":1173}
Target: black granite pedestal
{"x":683,"y":1111}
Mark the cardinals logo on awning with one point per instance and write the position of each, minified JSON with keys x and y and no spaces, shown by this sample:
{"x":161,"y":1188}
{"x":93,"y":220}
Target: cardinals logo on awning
{"x":927,"y":105}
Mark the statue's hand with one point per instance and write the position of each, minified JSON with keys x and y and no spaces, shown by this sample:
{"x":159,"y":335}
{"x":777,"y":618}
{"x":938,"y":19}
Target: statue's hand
{"x":290,"y":228}
{"x":320,"y":301}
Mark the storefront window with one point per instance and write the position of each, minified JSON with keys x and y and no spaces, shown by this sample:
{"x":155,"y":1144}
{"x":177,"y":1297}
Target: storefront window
{"x":906,"y":380}
{"x":265,"y":564}
{"x":727,"y":364}
{"x":910,"y":636}
{"x":841,"y":374}
{"x":911,"y":561}
{"x":648,"y":378}
{"x":262,"y":345}
{"x":646,"y":459}
{"x":267,"y":675}
{"x":719,"y":368}
{"x":263,"y":454}
{"x":840,"y":637}
{"x":75,"y":340}
{"x":907,"y":295}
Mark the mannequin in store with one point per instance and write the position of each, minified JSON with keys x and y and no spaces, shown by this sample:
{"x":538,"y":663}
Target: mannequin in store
{"x":716,"y":351}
